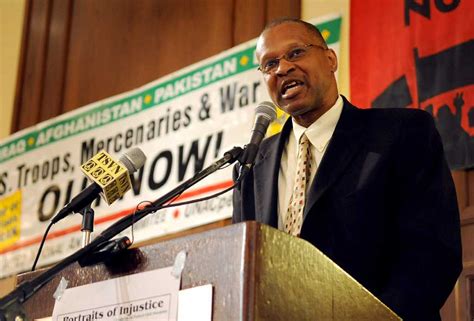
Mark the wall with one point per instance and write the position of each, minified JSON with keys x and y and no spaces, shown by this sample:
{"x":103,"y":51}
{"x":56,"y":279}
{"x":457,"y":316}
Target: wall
{"x":11,"y":25}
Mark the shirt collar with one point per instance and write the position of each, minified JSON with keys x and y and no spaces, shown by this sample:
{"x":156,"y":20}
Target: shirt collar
{"x":320,"y":132}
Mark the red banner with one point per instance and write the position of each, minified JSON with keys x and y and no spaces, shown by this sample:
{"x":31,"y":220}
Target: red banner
{"x":418,"y":54}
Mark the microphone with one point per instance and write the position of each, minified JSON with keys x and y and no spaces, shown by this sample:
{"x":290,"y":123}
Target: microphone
{"x":265,"y":113}
{"x":111,"y":179}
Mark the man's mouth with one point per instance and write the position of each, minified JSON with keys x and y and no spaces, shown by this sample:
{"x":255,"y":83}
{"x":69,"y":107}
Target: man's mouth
{"x":290,"y":88}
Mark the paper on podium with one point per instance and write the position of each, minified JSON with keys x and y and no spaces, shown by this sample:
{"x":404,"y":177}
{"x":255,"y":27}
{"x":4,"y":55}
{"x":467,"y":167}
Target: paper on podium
{"x":151,"y":295}
{"x":195,"y":304}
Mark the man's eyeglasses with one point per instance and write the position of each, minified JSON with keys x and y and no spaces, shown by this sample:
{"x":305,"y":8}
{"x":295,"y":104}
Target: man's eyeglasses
{"x":271,"y":65}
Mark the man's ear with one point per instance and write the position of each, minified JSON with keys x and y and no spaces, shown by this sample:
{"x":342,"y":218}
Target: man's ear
{"x":332,"y":59}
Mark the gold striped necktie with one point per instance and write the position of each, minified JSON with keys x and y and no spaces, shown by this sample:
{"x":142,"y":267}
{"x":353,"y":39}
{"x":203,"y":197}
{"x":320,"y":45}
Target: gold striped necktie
{"x":294,"y":215}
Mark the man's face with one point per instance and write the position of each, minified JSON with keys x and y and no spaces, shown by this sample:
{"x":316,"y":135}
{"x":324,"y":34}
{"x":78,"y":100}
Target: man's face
{"x":306,"y":87}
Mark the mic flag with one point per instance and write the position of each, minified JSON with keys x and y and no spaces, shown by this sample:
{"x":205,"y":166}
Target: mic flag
{"x":110,"y":180}
{"x":112,"y":177}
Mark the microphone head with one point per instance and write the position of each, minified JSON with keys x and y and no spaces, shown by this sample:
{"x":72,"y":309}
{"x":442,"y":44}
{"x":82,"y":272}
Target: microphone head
{"x":133,"y":160}
{"x":266,"y":109}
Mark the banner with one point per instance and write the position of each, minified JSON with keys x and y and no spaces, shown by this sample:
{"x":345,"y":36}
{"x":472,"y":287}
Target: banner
{"x":183,"y":122}
{"x":418,"y":54}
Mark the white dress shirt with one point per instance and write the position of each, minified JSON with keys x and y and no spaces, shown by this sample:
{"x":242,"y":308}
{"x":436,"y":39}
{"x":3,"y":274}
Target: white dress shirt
{"x":319,"y":134}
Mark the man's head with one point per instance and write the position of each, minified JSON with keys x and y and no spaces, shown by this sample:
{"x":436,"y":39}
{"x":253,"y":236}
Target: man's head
{"x":298,"y":69}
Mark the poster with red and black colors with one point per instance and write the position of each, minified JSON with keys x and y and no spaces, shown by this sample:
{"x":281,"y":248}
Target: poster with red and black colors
{"x":418,"y":54}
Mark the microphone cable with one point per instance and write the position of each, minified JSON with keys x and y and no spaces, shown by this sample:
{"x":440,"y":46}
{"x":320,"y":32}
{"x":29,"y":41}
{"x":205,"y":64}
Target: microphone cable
{"x":41,"y":245}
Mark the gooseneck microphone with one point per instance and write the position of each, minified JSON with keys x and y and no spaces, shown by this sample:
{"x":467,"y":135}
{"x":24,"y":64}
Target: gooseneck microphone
{"x":265,"y":113}
{"x":111,"y":179}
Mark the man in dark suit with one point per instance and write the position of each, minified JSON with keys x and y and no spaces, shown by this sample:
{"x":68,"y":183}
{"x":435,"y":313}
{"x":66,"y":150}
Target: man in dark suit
{"x":378,"y":196}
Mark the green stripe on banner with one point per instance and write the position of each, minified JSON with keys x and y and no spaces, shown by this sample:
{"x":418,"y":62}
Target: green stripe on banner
{"x":137,"y":102}
{"x":331,"y":30}
{"x":209,"y":74}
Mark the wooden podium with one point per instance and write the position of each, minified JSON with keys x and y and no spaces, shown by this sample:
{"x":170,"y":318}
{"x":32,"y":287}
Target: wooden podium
{"x":257,"y":273}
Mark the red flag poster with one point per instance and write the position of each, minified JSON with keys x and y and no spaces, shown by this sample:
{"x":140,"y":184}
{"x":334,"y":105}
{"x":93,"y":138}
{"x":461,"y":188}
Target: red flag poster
{"x":418,"y":54}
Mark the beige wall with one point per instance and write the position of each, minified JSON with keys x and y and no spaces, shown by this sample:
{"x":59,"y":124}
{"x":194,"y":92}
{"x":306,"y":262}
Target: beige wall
{"x":11,"y":24}
{"x":317,"y":8}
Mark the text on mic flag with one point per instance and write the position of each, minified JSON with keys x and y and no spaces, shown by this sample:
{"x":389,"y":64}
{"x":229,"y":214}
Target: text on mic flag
{"x":111,"y":176}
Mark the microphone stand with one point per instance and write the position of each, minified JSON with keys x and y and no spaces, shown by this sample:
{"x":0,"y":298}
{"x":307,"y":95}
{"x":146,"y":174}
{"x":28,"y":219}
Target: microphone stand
{"x":10,"y":305}
{"x":87,"y":224}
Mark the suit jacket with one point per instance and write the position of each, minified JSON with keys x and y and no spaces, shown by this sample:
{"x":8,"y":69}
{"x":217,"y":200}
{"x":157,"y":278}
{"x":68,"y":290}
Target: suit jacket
{"x":382,"y":206}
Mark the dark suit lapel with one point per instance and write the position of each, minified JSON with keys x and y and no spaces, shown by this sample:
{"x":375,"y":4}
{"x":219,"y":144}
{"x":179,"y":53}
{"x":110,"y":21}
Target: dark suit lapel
{"x":266,"y":172}
{"x":344,"y":143}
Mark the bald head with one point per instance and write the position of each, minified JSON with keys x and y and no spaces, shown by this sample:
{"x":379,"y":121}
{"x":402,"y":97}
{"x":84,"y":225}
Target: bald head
{"x":309,"y":27}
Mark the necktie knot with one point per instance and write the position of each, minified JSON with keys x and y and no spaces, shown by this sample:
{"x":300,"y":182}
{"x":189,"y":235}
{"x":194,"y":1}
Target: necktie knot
{"x":304,"y":139}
